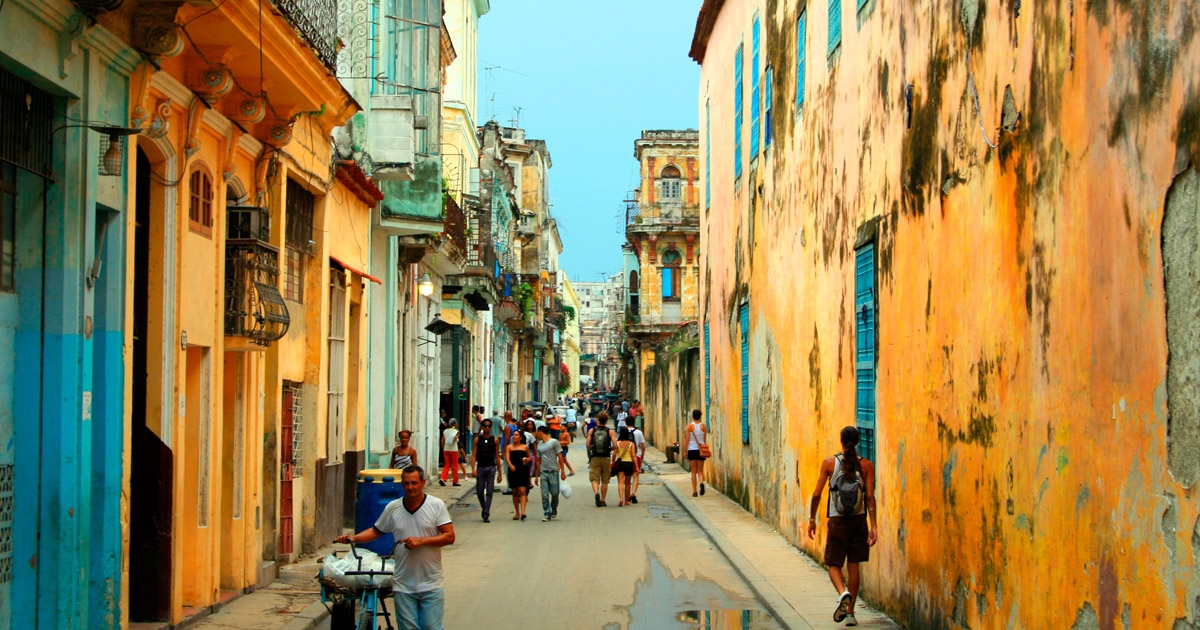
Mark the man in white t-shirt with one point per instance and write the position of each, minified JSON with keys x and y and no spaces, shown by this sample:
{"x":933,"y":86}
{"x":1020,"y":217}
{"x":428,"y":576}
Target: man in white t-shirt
{"x":421,"y":526}
{"x":639,"y":454}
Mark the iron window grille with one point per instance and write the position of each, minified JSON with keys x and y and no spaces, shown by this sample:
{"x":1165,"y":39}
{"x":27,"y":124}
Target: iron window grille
{"x":297,"y":425}
{"x":413,"y":46}
{"x":254,"y":308}
{"x":8,"y":228}
{"x":26,"y":125}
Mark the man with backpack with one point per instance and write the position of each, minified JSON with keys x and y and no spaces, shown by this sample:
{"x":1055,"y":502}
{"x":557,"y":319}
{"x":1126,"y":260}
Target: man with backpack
{"x":600,"y":442}
{"x":852,"y":529}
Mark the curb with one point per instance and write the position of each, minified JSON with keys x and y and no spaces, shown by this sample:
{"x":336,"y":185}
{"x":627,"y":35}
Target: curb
{"x":308,"y":618}
{"x":779,"y":608}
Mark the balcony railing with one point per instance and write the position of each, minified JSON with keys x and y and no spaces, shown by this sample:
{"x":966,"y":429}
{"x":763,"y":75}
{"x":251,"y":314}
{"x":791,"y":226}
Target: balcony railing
{"x":254,"y":308}
{"x":455,"y":224}
{"x":316,"y":21}
{"x":481,"y":249}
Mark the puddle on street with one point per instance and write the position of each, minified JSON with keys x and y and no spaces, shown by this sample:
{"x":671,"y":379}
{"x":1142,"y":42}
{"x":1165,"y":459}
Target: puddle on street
{"x":662,"y":601}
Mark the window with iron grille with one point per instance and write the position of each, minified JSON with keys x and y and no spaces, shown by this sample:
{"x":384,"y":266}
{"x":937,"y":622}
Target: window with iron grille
{"x":26,"y":125}
{"x":293,"y":276}
{"x":297,"y":400}
{"x":8,"y":228}
{"x":298,"y":238}
{"x":200,"y":193}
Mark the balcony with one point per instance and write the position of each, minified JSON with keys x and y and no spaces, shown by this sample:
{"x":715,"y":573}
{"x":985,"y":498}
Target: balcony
{"x":482,"y":257}
{"x":413,"y":207}
{"x":527,"y":225}
{"x":316,"y":22}
{"x":660,"y":218}
{"x":254,"y":308}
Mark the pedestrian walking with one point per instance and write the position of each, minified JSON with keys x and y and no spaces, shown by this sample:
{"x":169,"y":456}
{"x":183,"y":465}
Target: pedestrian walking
{"x":404,"y":455}
{"x":449,"y":444}
{"x":517,"y":456}
{"x":549,"y":471}
{"x":639,"y":455}
{"x":697,"y":441}
{"x":851,"y":526}
{"x":564,"y":440}
{"x":442,"y":424}
{"x":421,"y":526}
{"x":485,"y":465}
{"x":600,"y":442}
{"x":510,"y":427}
{"x":623,"y":465}
{"x":464,"y":446}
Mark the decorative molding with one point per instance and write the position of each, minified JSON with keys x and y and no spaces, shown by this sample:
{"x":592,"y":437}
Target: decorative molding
{"x":232,"y":138}
{"x":251,"y":110}
{"x":160,"y":124}
{"x":215,"y":82}
{"x":196,"y":111}
{"x":140,"y":89}
{"x":279,"y":134}
{"x":155,"y":32}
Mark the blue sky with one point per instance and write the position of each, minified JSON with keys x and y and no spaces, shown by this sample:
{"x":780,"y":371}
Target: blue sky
{"x":588,"y":77}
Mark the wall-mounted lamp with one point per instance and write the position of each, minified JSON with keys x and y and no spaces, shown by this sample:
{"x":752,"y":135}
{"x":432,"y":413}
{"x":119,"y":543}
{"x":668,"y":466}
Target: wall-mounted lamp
{"x":112,"y":162}
{"x":425,"y":285}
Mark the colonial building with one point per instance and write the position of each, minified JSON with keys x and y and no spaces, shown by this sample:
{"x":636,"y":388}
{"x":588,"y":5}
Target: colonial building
{"x":571,"y":348}
{"x":661,"y":226}
{"x":972,"y":235}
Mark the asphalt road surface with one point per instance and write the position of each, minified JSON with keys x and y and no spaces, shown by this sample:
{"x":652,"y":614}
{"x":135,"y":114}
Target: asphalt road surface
{"x":645,"y":566}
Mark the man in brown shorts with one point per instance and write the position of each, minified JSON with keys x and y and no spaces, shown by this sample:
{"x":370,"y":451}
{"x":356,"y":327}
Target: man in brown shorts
{"x":600,"y":441}
{"x":852,"y":529}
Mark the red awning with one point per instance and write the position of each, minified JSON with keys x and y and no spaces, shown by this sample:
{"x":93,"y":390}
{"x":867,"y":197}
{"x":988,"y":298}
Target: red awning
{"x":357,"y":271}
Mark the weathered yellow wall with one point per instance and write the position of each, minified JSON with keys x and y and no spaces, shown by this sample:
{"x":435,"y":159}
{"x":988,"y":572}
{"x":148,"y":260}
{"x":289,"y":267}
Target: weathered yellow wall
{"x":1021,"y":394}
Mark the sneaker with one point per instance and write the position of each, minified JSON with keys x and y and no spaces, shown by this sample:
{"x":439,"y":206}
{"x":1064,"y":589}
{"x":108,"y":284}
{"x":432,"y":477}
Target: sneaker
{"x":485,"y":520}
{"x":441,"y":482}
{"x":850,"y":620}
{"x":554,"y":514}
{"x":597,"y":499}
{"x":456,"y":485}
{"x":701,"y":487}
{"x":843,"y":607}
{"x":633,"y":498}
{"x":545,"y":519}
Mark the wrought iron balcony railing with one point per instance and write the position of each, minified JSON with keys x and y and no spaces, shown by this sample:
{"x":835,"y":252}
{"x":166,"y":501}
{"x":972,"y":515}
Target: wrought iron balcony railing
{"x":455,"y":224}
{"x":316,"y":21}
{"x":254,"y":307}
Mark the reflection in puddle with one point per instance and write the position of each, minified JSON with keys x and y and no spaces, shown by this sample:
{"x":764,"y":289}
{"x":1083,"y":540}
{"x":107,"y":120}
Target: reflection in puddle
{"x":727,"y":619}
{"x":663,"y":601}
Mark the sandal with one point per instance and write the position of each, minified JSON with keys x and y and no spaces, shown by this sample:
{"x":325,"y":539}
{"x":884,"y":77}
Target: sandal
{"x":695,"y":494}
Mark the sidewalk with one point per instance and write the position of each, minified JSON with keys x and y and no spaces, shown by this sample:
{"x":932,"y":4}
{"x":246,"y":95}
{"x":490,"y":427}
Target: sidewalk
{"x":790,"y":584}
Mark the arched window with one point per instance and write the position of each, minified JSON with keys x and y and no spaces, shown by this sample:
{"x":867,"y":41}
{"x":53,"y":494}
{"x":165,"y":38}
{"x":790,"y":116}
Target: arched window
{"x":671,"y":275}
{"x":670,"y":184}
{"x":200,"y":194}
{"x":633,"y":281}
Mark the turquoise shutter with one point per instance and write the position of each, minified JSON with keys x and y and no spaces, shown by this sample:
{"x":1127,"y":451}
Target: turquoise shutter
{"x":737,"y":113}
{"x":707,"y":158}
{"x":755,"y":91}
{"x":707,"y":371}
{"x":866,"y":343}
{"x":744,"y":316}
{"x":770,"y":78}
{"x":835,"y":24}
{"x":801,"y":38}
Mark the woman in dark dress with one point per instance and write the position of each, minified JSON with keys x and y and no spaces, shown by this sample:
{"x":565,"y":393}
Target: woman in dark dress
{"x":517,"y":456}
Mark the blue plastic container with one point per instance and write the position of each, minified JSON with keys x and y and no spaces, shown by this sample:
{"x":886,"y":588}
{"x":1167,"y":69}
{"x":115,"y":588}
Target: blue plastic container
{"x":376,"y":489}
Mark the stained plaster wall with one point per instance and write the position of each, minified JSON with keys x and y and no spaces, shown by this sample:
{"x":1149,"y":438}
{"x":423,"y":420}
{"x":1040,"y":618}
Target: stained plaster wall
{"x":671,"y":390}
{"x":1024,"y":394}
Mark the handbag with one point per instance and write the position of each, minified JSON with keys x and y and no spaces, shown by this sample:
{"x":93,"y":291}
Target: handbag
{"x":705,"y":451}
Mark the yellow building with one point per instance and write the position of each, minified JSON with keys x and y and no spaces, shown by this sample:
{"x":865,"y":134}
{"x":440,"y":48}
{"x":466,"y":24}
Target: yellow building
{"x":662,"y":226}
{"x":570,"y":343}
{"x":244,"y":316}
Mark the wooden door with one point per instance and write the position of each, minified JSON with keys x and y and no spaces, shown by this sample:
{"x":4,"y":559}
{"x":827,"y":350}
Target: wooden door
{"x":286,"y":448}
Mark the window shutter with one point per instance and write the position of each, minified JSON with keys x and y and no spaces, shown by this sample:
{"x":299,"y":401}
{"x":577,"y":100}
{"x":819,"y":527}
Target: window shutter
{"x":744,"y":316}
{"x":737,"y":113}
{"x":801,"y":39}
{"x":707,"y":370}
{"x":770,"y":78}
{"x":865,"y":345}
{"x":755,"y":92}
{"x":835,"y":24}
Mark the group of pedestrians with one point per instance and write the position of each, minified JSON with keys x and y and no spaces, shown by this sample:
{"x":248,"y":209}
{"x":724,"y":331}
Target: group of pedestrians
{"x":533,"y":453}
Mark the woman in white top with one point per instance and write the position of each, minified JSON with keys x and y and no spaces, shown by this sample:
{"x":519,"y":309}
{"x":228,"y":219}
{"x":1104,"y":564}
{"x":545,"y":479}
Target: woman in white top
{"x":450,"y":448}
{"x":697,"y":434}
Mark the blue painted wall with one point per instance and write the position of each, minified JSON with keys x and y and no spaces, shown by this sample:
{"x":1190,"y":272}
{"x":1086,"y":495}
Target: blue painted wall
{"x":66,"y":440}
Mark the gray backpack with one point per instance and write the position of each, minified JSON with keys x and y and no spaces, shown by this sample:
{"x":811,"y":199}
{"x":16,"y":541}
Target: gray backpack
{"x":601,"y":445}
{"x":845,"y":491}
